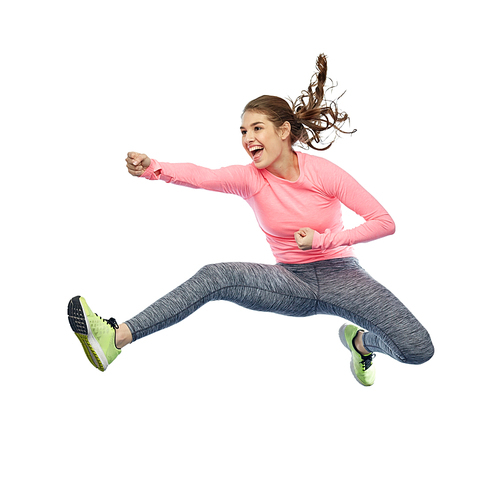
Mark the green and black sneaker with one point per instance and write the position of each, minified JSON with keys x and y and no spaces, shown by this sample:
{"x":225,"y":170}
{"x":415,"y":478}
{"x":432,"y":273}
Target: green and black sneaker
{"x":361,"y":366}
{"x":96,"y":335}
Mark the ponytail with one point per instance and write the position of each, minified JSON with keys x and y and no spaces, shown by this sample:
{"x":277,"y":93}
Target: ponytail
{"x":309,"y":115}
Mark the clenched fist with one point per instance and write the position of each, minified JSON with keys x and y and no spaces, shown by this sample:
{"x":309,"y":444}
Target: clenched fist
{"x":137,"y":163}
{"x":304,"y":238}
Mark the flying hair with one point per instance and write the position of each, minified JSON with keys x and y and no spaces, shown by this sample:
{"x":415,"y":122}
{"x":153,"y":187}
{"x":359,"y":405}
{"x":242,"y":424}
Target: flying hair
{"x":310,"y":115}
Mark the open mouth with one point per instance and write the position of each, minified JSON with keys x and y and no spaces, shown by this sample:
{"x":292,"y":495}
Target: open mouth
{"x":256,"y":152}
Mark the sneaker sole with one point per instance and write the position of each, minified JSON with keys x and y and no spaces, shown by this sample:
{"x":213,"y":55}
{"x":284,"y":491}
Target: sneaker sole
{"x":80,"y":326}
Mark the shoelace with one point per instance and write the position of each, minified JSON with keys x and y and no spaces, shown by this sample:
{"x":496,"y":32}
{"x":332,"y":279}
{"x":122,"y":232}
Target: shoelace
{"x":367,"y":360}
{"x":111,"y":322}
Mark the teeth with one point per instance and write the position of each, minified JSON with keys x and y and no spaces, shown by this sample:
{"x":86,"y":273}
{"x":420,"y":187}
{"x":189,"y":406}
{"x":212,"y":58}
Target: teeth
{"x":253,"y":148}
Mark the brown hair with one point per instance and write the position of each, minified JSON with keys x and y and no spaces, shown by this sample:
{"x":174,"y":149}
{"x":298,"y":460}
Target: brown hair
{"x":309,"y":115}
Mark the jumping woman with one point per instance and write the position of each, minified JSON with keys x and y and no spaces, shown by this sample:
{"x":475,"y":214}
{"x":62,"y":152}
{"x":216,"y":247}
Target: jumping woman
{"x":296,"y":198}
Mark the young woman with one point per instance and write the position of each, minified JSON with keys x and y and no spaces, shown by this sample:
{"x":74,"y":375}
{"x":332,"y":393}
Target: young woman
{"x":297,"y":201}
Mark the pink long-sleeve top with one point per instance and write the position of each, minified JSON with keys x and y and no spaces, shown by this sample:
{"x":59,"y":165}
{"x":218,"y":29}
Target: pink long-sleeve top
{"x":283,"y":207}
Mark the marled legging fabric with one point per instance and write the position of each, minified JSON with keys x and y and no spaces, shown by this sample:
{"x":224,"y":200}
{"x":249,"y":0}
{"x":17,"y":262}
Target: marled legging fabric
{"x":339,"y":287}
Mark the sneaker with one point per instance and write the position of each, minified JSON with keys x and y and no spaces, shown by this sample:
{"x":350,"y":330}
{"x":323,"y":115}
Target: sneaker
{"x":96,"y":335}
{"x":361,"y":366}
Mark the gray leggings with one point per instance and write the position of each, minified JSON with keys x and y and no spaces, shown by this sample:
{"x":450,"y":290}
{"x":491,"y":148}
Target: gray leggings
{"x":339,"y":287}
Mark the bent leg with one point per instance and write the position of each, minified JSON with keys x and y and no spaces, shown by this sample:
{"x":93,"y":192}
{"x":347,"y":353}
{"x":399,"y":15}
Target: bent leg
{"x":255,"y":286}
{"x":350,"y":292}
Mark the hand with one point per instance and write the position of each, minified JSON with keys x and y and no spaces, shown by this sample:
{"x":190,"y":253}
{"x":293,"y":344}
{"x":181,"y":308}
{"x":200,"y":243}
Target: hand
{"x":137,"y":163}
{"x":304,"y":238}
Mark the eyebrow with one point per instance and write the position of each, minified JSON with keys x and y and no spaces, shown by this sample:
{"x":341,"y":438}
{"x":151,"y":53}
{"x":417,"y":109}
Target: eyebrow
{"x":253,"y":124}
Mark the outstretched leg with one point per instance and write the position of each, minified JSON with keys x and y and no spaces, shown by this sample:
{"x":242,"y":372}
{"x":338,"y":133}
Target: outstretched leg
{"x":259,"y":287}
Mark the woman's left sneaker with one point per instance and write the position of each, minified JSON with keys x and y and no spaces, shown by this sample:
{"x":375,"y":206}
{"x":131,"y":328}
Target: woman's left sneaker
{"x":361,"y":366}
{"x":96,"y":335}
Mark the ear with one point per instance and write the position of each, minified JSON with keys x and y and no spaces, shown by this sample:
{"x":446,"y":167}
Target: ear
{"x":285,"y":130}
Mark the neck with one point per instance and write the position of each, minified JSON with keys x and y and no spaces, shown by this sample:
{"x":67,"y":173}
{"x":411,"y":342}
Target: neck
{"x":286,"y":167}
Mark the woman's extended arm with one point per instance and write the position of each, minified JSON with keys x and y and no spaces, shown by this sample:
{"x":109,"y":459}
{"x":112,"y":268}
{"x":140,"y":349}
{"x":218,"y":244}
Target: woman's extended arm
{"x":236,"y":179}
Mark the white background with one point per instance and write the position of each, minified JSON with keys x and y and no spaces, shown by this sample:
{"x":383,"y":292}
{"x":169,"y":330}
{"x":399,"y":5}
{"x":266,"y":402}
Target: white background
{"x":234,"y":404}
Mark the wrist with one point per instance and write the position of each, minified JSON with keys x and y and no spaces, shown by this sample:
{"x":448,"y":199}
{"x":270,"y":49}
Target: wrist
{"x":317,"y":241}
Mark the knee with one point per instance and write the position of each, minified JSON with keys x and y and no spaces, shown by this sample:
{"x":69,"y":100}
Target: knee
{"x":209,"y":278}
{"x":219,"y":275}
{"x":421,"y":353}
{"x":211,"y":271}
{"x":208,"y":269}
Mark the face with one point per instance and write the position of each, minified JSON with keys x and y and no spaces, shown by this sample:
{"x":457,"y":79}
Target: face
{"x":262,"y":141}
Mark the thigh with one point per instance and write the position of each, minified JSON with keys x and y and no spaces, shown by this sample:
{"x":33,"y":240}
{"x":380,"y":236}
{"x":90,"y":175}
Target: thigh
{"x":259,"y":287}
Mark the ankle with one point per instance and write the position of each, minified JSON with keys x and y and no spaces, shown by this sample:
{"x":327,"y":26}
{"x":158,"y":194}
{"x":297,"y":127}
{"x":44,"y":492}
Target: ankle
{"x":123,"y":336}
{"x":358,"y":344}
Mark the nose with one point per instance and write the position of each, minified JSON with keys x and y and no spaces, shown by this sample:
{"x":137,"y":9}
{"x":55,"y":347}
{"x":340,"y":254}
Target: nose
{"x":249,"y":137}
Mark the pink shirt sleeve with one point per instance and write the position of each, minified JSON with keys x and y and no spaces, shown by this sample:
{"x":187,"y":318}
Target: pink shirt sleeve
{"x":236,"y":179}
{"x":378,"y":223}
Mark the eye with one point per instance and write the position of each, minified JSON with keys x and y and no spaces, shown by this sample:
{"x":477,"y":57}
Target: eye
{"x":243,"y":132}
{"x":257,"y":128}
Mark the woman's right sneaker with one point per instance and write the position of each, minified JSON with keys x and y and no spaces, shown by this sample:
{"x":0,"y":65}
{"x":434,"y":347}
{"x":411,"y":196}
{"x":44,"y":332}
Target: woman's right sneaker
{"x":96,"y":335}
